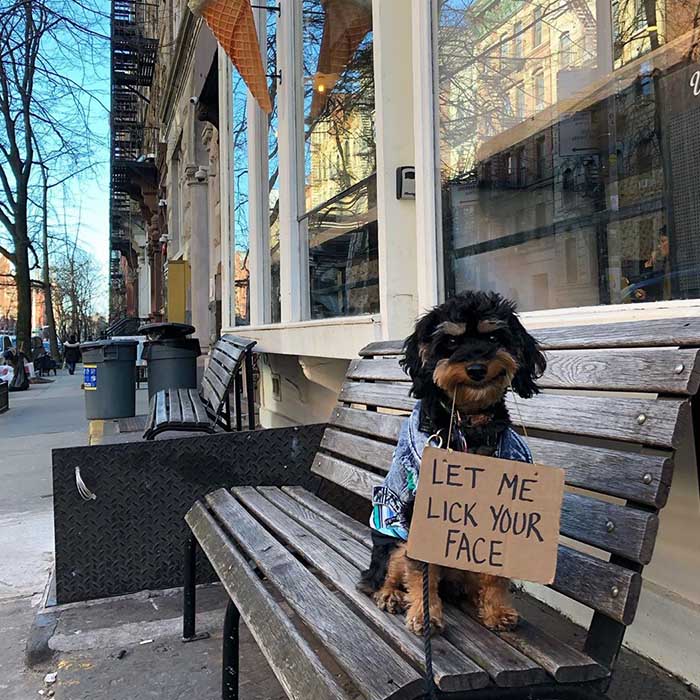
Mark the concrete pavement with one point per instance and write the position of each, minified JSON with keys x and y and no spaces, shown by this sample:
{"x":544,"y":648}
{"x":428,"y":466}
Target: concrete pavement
{"x":46,"y":416}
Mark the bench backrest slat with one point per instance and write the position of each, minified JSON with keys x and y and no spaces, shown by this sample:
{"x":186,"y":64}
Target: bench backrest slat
{"x":647,"y":421}
{"x":667,"y":370}
{"x":612,"y":416}
{"x":225,"y":360}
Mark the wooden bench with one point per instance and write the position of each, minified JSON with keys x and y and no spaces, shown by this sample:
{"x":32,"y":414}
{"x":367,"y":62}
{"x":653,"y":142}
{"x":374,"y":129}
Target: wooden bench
{"x":203,"y":410}
{"x":616,"y":406}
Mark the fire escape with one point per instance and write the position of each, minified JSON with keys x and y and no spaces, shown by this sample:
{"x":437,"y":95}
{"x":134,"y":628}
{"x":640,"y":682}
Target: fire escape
{"x":133,"y":55}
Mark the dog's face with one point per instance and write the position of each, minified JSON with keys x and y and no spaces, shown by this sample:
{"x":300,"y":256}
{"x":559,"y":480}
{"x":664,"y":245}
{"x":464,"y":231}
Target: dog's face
{"x":472,"y":348}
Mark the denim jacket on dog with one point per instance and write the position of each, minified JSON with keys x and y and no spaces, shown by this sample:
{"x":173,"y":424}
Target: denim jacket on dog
{"x":392,"y":501}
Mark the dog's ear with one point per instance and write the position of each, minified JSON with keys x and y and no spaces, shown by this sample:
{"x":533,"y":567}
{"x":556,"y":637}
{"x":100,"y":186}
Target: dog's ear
{"x":531,"y":361}
{"x":415,"y":347}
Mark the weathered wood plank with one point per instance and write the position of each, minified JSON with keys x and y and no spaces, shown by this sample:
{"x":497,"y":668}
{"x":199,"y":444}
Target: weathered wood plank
{"x":664,"y":370}
{"x":175,"y":408}
{"x":608,"y":588}
{"x":382,"y":425}
{"x":564,"y":663}
{"x":297,"y":668}
{"x":506,"y":666}
{"x":188,"y":414}
{"x":453,"y":670}
{"x":559,"y":660}
{"x":377,"y":670}
{"x":218,"y":390}
{"x":361,"y":449}
{"x":384,"y":395}
{"x":350,"y":477}
{"x":161,"y":408}
{"x":326,"y":531}
{"x":343,"y":522}
{"x":645,"y":478}
{"x":151,"y":414}
{"x":622,"y":530}
{"x":644,"y":333}
{"x":658,"y":422}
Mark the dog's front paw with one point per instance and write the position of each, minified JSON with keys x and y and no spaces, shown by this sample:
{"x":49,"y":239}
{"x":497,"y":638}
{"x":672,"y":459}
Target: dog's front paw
{"x":414,"y":620}
{"x":500,"y":619}
{"x":393,"y":601}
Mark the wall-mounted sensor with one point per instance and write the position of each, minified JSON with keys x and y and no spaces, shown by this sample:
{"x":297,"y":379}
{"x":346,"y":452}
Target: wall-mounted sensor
{"x":406,"y":182}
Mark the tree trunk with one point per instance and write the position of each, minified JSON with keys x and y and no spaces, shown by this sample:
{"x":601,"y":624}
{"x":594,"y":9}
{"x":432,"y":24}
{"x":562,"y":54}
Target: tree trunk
{"x":45,"y":275}
{"x":23,"y":284}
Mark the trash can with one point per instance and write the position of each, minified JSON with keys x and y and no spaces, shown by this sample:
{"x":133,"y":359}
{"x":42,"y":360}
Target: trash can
{"x":170,"y":355}
{"x":109,"y":378}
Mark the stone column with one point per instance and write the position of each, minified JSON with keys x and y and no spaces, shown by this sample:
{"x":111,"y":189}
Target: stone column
{"x":196,"y":179}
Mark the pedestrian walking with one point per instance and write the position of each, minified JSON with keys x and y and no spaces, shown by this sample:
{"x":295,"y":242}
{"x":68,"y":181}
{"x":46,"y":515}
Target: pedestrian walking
{"x":71,"y":353}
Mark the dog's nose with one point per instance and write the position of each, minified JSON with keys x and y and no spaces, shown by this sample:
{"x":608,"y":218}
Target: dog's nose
{"x":477,"y":372}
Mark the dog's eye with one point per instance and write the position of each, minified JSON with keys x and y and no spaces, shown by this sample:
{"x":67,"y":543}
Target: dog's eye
{"x":452,"y":343}
{"x":493,"y":339}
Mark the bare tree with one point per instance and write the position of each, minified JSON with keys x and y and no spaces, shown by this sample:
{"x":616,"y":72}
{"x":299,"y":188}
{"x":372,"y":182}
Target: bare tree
{"x":46,"y":50}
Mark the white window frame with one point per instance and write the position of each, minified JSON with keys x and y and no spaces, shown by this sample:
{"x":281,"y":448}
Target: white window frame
{"x":431,"y":288}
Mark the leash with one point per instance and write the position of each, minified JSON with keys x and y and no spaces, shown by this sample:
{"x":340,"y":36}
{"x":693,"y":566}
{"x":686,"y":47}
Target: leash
{"x":430,"y":690}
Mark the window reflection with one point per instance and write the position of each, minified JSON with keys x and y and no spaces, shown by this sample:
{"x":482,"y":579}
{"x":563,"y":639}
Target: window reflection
{"x":343,"y":254}
{"x":339,"y":156}
{"x":273,"y":172}
{"x":571,"y":178}
{"x":241,"y":275}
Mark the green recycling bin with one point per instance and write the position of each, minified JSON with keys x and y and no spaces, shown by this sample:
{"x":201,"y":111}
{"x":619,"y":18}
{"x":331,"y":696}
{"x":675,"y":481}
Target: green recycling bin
{"x":109,"y":378}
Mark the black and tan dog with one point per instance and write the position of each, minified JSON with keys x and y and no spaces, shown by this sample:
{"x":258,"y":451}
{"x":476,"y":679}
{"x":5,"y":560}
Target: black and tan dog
{"x":467,"y":351}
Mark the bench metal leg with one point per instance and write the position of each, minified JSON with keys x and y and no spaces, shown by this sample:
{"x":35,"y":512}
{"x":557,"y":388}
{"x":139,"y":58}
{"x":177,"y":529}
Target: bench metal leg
{"x":189,"y":593}
{"x":230,"y":657}
{"x":250,"y":389}
{"x":237,"y":390}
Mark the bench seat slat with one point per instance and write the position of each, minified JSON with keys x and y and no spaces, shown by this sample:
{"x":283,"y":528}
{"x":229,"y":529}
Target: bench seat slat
{"x":161,"y":407}
{"x":373,"y":666}
{"x":174,"y":404}
{"x":216,"y":391}
{"x":648,"y":421}
{"x":344,"y":522}
{"x":225,"y":360}
{"x":188,"y":415}
{"x":506,"y":669}
{"x":296,"y":666}
{"x":505,"y":666}
{"x":200,"y":414}
{"x":564,"y":663}
{"x":453,"y":670}
{"x":644,"y":478}
{"x":218,"y":370}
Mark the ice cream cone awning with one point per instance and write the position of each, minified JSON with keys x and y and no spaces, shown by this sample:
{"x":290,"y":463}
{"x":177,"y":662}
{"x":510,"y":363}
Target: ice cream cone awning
{"x":233,"y":25}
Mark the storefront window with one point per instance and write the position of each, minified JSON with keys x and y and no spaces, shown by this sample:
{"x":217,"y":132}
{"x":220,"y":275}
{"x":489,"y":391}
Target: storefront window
{"x":339,"y":157}
{"x":273,"y":171}
{"x":583,"y":191}
{"x":240,"y":298}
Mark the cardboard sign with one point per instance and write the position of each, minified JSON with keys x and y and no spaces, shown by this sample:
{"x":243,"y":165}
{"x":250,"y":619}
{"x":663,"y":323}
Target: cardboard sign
{"x":494,"y":516}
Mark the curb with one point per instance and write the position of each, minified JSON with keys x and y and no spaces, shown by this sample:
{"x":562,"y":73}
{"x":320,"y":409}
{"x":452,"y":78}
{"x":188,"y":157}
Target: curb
{"x":38,"y":650}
